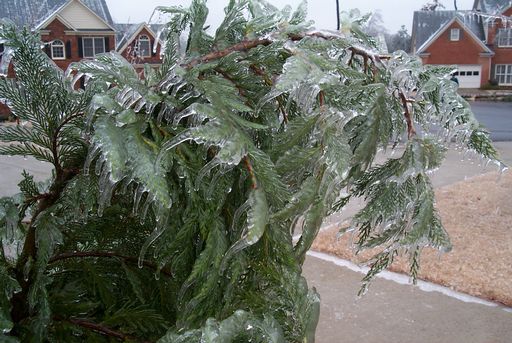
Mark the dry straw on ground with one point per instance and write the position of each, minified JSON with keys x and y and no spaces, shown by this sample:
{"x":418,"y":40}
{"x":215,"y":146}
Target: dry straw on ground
{"x":477,"y":213}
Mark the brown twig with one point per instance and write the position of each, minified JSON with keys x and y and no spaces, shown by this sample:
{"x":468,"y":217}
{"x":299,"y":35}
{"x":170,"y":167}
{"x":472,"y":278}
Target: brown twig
{"x":367,"y":56}
{"x":107,"y":254}
{"x":258,"y":71}
{"x":321,"y":98}
{"x":246,"y":45}
{"x":408,"y":117}
{"x":225,"y":75}
{"x":242,"y":46}
{"x":101,"y":329}
{"x":250,"y":169}
{"x":37,"y":197}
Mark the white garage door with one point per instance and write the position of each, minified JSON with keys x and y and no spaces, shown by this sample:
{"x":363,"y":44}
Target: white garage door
{"x":469,"y":76}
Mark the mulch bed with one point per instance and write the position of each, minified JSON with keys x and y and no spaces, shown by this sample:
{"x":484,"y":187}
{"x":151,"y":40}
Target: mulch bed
{"x":477,"y":213}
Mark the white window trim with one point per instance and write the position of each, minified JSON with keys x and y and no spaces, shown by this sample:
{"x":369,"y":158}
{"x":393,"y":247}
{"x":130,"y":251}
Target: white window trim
{"x":93,"y":46}
{"x":509,"y":37}
{"x":147,"y":39}
{"x":454,"y":34}
{"x":505,"y":74}
{"x":56,"y":45}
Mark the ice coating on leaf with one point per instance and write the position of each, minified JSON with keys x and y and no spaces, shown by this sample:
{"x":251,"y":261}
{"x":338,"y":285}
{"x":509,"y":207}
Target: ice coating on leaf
{"x":257,"y":219}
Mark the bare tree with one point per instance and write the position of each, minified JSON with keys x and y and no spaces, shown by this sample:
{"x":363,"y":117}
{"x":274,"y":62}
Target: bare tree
{"x":432,"y":6}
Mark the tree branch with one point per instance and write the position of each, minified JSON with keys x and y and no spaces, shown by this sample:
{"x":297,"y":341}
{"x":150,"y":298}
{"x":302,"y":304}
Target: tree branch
{"x":268,"y":81}
{"x":101,"y":329}
{"x":250,"y":44}
{"x":107,"y":254}
{"x":250,"y":169}
{"x":408,"y":117}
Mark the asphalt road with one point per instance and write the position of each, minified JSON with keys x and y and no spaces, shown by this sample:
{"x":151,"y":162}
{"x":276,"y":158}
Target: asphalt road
{"x":496,"y":117}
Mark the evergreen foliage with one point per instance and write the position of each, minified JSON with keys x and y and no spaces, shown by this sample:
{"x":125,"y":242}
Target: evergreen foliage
{"x":177,"y":192}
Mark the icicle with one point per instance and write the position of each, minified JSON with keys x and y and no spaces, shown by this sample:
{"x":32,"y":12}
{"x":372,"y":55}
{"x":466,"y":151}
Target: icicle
{"x":75,"y":79}
{"x":239,"y":212}
{"x":140,"y":105}
{"x":177,"y":140}
{"x":189,"y":111}
{"x":99,"y":165}
{"x":161,"y":113}
{"x":145,"y":208}
{"x":157,"y":232}
{"x":5,"y":60}
{"x":122,"y":94}
{"x":107,"y":188}
{"x":93,"y":153}
{"x":215,"y":180}
{"x":208,"y":167}
{"x":137,"y":197}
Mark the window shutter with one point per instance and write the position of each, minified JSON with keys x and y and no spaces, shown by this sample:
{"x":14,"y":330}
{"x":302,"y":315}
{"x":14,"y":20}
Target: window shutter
{"x":107,"y":45}
{"x":80,"y":47}
{"x":48,"y":49}
{"x":153,"y":52}
{"x":68,"y":49}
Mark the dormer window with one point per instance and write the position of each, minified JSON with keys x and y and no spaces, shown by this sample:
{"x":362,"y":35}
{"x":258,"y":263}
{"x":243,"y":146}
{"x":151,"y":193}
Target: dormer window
{"x":504,"y":38}
{"x":144,"y":46}
{"x":58,"y":50}
{"x":454,"y":35}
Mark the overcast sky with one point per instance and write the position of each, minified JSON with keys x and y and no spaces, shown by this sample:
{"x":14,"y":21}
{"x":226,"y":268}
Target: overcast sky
{"x":394,"y":12}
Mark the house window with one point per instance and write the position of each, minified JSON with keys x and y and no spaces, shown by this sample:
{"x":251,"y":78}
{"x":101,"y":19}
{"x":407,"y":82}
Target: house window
{"x":93,"y":46}
{"x":504,"y":74}
{"x":454,"y":34}
{"x":505,"y":37}
{"x":57,"y":48}
{"x":144,"y":46}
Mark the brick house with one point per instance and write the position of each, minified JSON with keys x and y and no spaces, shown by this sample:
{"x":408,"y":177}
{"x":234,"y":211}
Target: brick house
{"x":136,"y":43}
{"x":76,"y":29}
{"x":73,"y":32}
{"x":478,"y":42}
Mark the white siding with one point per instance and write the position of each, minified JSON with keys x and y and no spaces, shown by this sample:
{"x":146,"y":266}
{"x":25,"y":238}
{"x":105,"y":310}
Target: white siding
{"x":81,"y":17}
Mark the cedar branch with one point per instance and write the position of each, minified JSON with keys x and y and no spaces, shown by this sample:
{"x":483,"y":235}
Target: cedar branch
{"x":247,"y":45}
{"x":250,"y":169}
{"x":101,"y":329}
{"x":107,"y":254}
{"x":268,"y":81}
{"x":408,"y":117}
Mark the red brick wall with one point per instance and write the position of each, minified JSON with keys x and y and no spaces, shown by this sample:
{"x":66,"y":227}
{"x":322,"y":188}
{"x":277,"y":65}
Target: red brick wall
{"x":464,"y":51}
{"x":502,"y":55}
{"x":57,"y":29}
{"x":128,"y":51}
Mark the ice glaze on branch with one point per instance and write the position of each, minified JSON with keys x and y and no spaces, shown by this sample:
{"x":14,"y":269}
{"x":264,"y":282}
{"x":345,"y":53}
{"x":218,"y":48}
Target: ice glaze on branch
{"x":407,"y":113}
{"x":101,"y":329}
{"x":250,"y":44}
{"x":250,"y":169}
{"x":107,"y":254}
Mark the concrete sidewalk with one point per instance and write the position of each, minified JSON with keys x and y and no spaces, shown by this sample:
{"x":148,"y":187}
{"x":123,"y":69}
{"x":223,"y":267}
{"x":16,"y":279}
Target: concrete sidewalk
{"x":476,"y":94}
{"x":391,"y":311}
{"x":395,"y":310}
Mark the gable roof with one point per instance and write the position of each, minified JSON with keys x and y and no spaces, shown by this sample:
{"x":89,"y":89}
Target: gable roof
{"x":439,"y":32}
{"x":126,"y":33}
{"x":491,"y":6}
{"x":426,"y":24}
{"x":31,"y":12}
{"x":80,"y":17}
